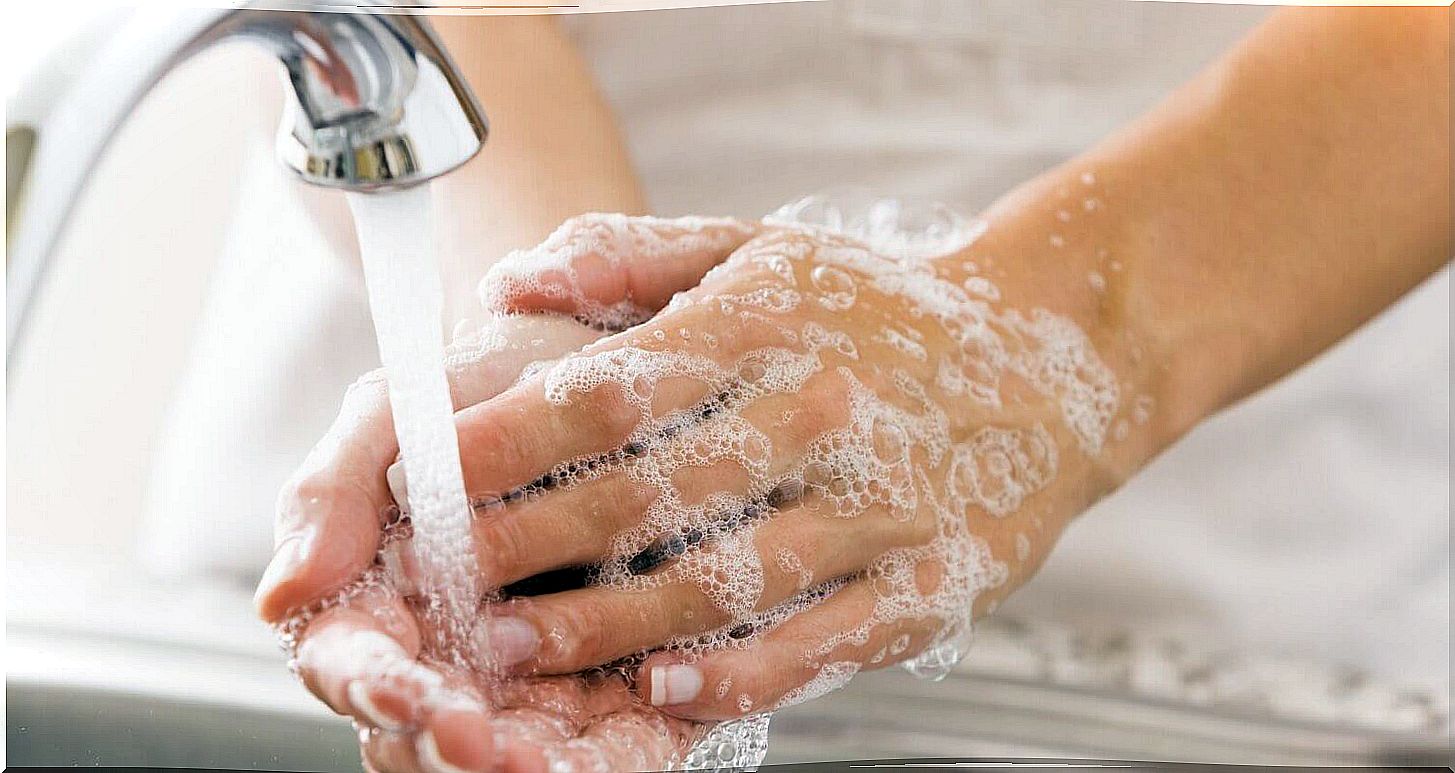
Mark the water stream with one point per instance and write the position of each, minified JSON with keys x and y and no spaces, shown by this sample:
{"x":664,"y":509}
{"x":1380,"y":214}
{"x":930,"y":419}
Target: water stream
{"x":405,"y":295}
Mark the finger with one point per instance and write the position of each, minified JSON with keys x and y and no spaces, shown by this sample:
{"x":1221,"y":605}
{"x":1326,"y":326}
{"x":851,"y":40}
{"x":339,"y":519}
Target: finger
{"x":389,"y":752}
{"x":457,"y":740}
{"x":487,"y":357}
{"x":584,"y":723}
{"x":612,"y":270}
{"x":769,"y":563}
{"x":523,"y":735}
{"x":632,"y":739}
{"x":360,"y":660}
{"x":809,"y":654}
{"x":573,"y":525}
{"x":567,"y":528}
{"x":580,"y":412}
{"x":638,"y":738}
{"x":330,"y":513}
{"x":591,"y":403}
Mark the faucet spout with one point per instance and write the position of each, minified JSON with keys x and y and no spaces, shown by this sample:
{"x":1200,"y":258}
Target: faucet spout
{"x":376,"y":104}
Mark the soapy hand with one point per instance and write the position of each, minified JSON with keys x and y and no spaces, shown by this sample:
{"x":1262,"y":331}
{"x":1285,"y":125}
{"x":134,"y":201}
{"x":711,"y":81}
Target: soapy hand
{"x":358,"y":637}
{"x":823,"y":455}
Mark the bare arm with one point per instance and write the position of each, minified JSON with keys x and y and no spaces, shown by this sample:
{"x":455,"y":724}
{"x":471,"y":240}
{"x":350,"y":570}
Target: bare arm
{"x":1266,"y":209}
{"x":554,"y":150}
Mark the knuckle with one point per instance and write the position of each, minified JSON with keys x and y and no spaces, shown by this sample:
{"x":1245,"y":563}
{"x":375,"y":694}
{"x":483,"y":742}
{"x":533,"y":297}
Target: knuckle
{"x":922,"y":528}
{"x":749,"y":687}
{"x":368,"y":387}
{"x":828,"y":408}
{"x":608,"y":414}
{"x":331,"y":493}
{"x":581,"y":635}
{"x":308,"y":494}
{"x":618,"y":505}
{"x":500,"y":550}
{"x":754,"y":332}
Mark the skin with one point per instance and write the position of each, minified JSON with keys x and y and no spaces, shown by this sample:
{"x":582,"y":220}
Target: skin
{"x":554,"y":149}
{"x":1266,"y":209}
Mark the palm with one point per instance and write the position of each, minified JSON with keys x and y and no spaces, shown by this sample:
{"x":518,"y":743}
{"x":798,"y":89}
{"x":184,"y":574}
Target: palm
{"x":584,"y":721}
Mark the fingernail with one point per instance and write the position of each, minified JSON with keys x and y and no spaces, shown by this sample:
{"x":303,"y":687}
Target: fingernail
{"x":429,"y":755}
{"x":359,"y":698}
{"x":400,"y":567}
{"x":675,"y":684}
{"x":506,"y":641}
{"x":398,"y":487}
{"x":287,"y":560}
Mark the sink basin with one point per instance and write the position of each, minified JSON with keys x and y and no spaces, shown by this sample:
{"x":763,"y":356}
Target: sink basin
{"x":105,"y":667}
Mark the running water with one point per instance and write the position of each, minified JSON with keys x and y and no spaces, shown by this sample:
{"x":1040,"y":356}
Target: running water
{"x":405,"y":295}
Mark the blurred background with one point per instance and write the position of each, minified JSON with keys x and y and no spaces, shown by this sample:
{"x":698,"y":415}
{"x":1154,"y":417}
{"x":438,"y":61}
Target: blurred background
{"x":204,"y":314}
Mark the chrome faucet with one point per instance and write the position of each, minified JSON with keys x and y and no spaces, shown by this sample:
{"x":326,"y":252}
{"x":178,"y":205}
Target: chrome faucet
{"x":376,"y":105}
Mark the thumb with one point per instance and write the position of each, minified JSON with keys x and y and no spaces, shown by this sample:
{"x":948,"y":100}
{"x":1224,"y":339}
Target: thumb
{"x":612,"y":271}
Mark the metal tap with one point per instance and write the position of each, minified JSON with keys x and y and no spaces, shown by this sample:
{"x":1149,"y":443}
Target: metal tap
{"x":375,"y":104}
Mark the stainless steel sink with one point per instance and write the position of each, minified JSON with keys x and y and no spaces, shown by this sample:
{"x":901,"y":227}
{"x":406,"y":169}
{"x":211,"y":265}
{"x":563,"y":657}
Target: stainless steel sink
{"x":106,"y":668}
{"x":881,"y":715}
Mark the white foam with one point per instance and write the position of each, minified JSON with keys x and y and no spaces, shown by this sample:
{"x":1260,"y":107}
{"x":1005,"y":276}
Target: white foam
{"x":552,"y":268}
{"x":884,"y":446}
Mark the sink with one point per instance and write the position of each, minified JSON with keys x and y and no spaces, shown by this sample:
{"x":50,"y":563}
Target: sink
{"x":106,"y":666}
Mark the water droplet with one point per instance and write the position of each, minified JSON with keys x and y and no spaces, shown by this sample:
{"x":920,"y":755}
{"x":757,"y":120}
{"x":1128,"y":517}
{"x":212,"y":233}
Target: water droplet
{"x":756,"y":449}
{"x":643,"y":387}
{"x":752,"y":371}
{"x":890,"y":444}
{"x":818,"y":474}
{"x":1142,"y":409}
{"x":979,"y":285}
{"x":836,"y":285}
{"x":937,"y":661}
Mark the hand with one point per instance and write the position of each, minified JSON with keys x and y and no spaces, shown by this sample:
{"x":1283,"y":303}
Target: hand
{"x":820,"y":459}
{"x":418,"y":715}
{"x":357,"y":632}
{"x":846,"y":584}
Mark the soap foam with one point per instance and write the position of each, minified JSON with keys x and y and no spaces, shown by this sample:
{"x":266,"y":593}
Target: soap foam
{"x":890,"y":450}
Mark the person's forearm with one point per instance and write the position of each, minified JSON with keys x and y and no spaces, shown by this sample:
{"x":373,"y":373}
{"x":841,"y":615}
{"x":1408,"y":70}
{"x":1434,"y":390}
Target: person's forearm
{"x":554,"y":150}
{"x":1271,"y":205}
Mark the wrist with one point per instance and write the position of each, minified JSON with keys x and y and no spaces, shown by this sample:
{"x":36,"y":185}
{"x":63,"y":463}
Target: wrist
{"x":1064,"y":243}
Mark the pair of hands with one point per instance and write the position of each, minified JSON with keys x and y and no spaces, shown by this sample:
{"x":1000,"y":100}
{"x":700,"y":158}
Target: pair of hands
{"x":800,"y":457}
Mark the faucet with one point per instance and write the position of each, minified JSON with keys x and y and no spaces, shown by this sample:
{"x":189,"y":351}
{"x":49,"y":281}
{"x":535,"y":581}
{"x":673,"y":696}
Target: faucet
{"x":376,"y":104}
